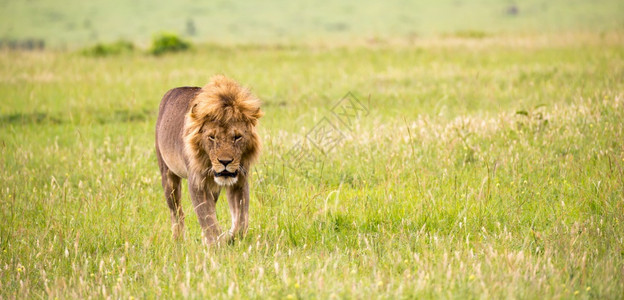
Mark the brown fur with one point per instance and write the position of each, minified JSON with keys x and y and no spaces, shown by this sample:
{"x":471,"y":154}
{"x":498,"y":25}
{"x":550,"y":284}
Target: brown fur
{"x":208,"y":136}
{"x":221,"y":103}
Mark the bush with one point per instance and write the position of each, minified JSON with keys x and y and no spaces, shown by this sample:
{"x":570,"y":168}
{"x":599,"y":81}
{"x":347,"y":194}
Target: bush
{"x":168,"y":42}
{"x":102,"y":49}
{"x":470,"y":34}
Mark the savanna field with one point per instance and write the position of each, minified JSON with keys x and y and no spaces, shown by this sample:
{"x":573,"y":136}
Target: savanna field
{"x":465,"y":165}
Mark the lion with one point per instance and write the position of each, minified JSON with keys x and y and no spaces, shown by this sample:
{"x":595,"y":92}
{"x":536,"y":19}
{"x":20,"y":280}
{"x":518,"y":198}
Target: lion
{"x":208,"y":135}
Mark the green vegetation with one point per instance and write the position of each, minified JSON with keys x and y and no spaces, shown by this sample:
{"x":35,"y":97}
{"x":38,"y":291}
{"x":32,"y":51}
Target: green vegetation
{"x":162,"y":43}
{"x":104,"y":49}
{"x":74,"y":23}
{"x":168,"y":42}
{"x":486,"y":160}
{"x":489,"y":167}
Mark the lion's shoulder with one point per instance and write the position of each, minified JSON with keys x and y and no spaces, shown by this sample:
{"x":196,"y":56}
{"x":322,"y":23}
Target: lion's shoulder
{"x":181,"y":94}
{"x":176,"y":101}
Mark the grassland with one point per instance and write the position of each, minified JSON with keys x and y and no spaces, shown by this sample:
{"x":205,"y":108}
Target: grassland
{"x":74,"y":23}
{"x":484,"y":168}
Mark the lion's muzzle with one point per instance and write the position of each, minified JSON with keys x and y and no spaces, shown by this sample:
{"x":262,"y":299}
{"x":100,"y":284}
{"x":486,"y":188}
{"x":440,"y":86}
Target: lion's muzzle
{"x":225,"y":173}
{"x":226,"y":176}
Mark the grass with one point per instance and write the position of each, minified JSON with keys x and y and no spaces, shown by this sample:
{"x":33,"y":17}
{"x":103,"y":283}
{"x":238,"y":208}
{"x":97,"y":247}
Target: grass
{"x":72,"y":23}
{"x":489,"y":168}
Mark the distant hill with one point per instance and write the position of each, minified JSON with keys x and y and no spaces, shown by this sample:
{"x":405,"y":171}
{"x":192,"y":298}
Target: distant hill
{"x":74,"y":23}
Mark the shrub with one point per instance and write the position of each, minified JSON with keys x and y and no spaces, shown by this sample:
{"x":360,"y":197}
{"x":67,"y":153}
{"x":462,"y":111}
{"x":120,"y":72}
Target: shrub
{"x":102,"y":49}
{"x":470,"y":34}
{"x":168,"y":42}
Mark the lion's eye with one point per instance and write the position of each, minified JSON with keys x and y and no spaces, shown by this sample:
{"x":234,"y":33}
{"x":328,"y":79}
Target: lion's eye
{"x":237,"y":137}
{"x":211,"y":137}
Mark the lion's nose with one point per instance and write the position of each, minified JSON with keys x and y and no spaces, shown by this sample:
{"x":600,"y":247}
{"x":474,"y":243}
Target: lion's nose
{"x":225,"y":162}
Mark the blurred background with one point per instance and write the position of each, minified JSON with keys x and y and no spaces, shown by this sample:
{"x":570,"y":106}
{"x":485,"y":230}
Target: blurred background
{"x":74,"y":23}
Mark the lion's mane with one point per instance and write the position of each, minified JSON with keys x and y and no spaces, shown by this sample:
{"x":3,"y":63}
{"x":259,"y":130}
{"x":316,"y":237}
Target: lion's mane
{"x":222,"y":101}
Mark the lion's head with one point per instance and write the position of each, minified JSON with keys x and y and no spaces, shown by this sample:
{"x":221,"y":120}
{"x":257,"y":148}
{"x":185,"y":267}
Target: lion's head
{"x":219,"y":132}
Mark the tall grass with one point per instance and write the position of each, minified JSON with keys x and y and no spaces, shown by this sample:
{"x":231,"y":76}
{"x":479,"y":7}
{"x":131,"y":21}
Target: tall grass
{"x":479,"y":171}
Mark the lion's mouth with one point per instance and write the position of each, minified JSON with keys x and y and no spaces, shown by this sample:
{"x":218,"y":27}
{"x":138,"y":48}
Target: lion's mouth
{"x":225,"y":173}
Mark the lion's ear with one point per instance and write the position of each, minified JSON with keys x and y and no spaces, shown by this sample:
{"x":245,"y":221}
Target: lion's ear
{"x":254,"y":116}
{"x":259,"y":113}
{"x":194,"y":108}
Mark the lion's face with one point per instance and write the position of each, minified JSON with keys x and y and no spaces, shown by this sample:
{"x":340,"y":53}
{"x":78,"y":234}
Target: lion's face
{"x":220,"y":140}
{"x":226,"y":145}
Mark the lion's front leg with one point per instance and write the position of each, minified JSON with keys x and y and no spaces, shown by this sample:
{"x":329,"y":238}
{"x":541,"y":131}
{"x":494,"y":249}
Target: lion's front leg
{"x":238,"y":199}
{"x":205,"y":208}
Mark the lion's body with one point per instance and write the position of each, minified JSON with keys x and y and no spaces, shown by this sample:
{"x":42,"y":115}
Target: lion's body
{"x":208,"y":136}
{"x":170,"y":128}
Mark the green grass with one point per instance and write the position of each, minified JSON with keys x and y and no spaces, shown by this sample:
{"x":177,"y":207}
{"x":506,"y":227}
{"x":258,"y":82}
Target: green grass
{"x":72,"y":23}
{"x":489,"y":168}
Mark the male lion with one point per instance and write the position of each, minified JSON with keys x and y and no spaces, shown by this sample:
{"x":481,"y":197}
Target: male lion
{"x":208,"y":136}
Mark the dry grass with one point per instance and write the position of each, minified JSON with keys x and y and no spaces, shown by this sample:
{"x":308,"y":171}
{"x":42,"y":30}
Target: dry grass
{"x":496,"y":172}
